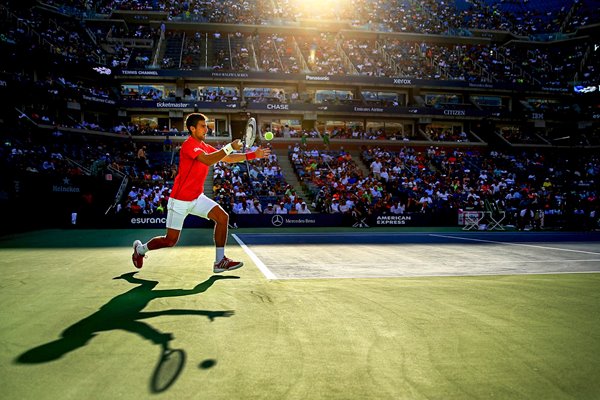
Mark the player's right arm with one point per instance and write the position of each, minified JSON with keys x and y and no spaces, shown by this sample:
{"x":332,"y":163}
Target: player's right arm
{"x":217,"y":155}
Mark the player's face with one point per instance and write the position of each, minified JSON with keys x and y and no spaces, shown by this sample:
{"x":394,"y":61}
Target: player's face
{"x":199,"y":131}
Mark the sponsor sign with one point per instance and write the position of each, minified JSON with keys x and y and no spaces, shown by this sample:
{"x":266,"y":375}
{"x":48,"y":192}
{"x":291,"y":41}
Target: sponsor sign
{"x":65,"y":187}
{"x":285,"y":107}
{"x":102,"y":70}
{"x":537,"y":116}
{"x":318,"y":78}
{"x":98,"y":99}
{"x":555,"y":89}
{"x":586,"y":89}
{"x":387,"y":220}
{"x":369,"y":109}
{"x":172,"y":104}
{"x":143,"y":72}
{"x":455,"y":113}
{"x":148,"y":220}
{"x":235,"y":75}
{"x":293,"y":220}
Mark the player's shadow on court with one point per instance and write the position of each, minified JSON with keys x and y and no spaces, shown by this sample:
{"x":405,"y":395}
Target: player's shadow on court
{"x":124,"y":312}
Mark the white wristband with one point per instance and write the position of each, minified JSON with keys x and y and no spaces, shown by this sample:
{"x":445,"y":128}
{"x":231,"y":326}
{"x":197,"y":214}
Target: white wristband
{"x":228,"y":149}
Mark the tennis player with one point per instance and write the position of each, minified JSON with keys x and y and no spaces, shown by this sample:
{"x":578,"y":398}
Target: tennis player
{"x":187,"y":195}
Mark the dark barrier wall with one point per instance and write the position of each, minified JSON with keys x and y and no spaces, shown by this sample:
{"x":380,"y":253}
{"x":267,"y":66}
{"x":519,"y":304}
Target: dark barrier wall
{"x":297,"y":220}
{"x":246,"y":221}
{"x":38,"y":201}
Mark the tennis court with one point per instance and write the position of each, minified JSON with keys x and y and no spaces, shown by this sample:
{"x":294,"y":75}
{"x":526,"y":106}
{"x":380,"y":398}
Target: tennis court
{"x":420,"y":314}
{"x":389,"y":254}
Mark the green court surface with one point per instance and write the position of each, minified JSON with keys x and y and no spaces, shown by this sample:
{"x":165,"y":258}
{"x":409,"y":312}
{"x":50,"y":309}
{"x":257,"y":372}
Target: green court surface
{"x":77,"y":323}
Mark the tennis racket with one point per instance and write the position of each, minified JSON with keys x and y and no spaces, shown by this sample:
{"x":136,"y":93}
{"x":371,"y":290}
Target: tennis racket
{"x":249,"y":139}
{"x":170,"y":365}
{"x":250,"y":135}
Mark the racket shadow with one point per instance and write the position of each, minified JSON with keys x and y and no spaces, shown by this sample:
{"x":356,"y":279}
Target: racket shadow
{"x":170,"y":364}
{"x":124,"y":312}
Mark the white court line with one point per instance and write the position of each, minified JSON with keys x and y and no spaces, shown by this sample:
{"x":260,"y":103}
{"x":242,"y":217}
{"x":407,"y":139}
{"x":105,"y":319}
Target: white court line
{"x":466,"y":275}
{"x":362,"y":233}
{"x":459,"y":262}
{"x":515,"y":244}
{"x":263,"y":268}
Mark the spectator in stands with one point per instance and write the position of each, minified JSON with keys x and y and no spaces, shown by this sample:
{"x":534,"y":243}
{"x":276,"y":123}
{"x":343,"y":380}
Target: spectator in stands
{"x":256,"y":207}
{"x":229,"y":208}
{"x":269,"y":209}
{"x":142,"y":158}
{"x":303,"y":208}
{"x":281,"y":209}
{"x":335,"y":208}
{"x":245,"y":209}
{"x":397,"y":208}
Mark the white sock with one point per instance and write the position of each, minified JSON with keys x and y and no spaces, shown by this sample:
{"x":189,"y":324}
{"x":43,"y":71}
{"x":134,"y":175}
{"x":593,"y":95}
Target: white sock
{"x":220,"y":253}
{"x":142,"y":249}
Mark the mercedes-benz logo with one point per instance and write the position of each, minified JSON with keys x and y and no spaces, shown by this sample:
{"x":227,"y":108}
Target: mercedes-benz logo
{"x":277,"y":220}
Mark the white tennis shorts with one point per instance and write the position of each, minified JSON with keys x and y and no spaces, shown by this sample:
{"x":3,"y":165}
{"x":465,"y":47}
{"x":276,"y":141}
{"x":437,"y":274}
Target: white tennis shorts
{"x":178,"y":210}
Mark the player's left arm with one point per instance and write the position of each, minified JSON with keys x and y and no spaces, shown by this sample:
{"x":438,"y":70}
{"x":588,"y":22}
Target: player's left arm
{"x":261,"y":152}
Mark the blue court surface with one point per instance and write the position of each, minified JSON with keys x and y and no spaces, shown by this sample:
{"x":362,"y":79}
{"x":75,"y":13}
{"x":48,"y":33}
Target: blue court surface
{"x":365,"y":254}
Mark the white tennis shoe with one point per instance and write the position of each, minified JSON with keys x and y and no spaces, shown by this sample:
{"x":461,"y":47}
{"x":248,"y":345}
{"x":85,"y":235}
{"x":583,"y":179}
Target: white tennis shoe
{"x":138,"y":259}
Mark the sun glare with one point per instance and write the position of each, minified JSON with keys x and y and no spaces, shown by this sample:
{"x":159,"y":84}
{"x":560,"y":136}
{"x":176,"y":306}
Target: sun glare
{"x":320,"y":8}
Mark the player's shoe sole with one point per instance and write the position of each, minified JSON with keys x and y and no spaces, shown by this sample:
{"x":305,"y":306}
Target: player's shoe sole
{"x":137,"y":259}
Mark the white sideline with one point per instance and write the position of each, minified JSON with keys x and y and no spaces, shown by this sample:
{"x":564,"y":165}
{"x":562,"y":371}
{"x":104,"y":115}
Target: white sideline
{"x":261,"y":266}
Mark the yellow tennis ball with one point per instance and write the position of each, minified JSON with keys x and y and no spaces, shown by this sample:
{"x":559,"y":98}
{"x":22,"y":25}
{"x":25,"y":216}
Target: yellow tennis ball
{"x":269,"y":135}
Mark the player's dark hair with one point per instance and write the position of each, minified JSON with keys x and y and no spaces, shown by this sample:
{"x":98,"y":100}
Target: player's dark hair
{"x":193,"y":119}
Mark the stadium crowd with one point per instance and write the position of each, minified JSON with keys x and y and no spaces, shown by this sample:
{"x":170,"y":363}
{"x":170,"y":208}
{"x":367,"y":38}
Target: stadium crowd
{"x":524,"y":184}
{"x":135,"y":45}
{"x":528,"y":18}
{"x":436,"y":179}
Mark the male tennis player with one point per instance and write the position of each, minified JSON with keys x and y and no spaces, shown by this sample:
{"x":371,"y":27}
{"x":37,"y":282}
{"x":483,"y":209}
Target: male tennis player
{"x":187,"y":195}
